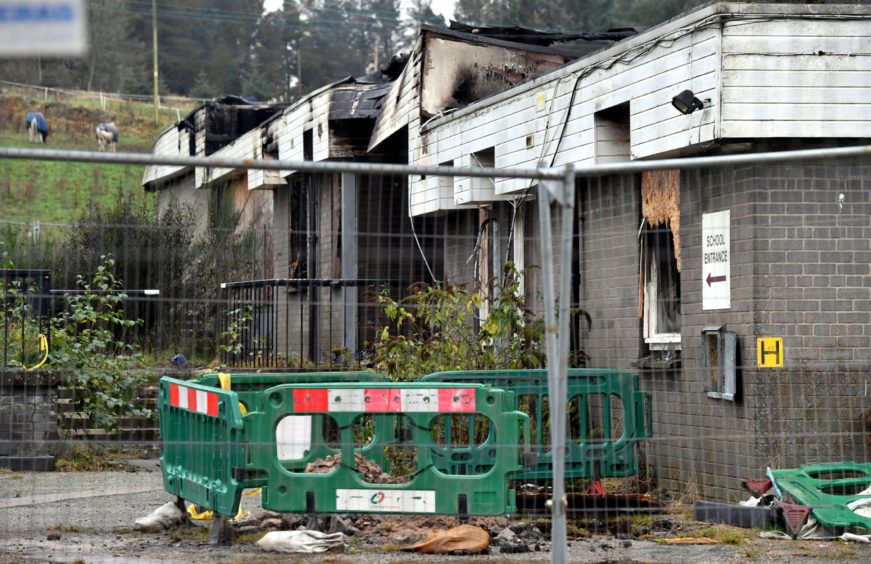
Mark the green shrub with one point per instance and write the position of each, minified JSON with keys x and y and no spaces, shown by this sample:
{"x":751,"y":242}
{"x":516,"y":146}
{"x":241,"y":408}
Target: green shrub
{"x":437,"y":329}
{"x":89,"y":345}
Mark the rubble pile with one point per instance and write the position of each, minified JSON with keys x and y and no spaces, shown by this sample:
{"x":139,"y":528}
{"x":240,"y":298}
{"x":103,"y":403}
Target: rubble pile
{"x":372,"y":473}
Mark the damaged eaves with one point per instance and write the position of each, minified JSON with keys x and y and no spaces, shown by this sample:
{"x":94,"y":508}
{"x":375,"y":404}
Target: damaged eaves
{"x":495,"y":38}
{"x":542,"y":38}
{"x":457,"y":71}
{"x":225,"y":123}
{"x":355,"y":101}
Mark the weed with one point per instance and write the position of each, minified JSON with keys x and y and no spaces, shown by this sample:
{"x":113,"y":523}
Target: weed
{"x":437,"y":328}
{"x":723,"y":534}
{"x":185,"y":533}
{"x":84,"y":457}
{"x":389,"y":548}
{"x":251,"y":537}
{"x":573,"y":531}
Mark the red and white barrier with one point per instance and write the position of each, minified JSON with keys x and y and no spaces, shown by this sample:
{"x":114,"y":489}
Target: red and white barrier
{"x":384,"y":400}
{"x":192,"y":399}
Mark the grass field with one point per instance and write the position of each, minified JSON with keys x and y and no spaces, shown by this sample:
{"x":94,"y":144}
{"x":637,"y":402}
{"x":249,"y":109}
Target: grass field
{"x":62,"y":192}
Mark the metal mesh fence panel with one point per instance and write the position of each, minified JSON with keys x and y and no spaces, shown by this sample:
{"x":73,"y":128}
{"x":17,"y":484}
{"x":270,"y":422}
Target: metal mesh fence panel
{"x":717,"y":327}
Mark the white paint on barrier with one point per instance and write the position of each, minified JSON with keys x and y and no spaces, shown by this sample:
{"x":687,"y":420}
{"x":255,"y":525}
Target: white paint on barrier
{"x":202,"y":401}
{"x":346,"y":400}
{"x":420,"y":401}
{"x":183,"y":397}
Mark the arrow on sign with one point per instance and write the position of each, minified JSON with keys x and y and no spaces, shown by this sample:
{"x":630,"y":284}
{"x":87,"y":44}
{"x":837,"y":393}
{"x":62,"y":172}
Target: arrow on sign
{"x":715,"y":278}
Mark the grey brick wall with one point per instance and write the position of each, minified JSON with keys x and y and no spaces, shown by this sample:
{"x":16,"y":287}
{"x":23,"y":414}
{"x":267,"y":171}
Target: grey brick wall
{"x":800,"y":259}
{"x":28,"y":419}
{"x":814,"y":226}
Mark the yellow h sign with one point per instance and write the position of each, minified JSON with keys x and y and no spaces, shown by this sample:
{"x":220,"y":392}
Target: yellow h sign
{"x":769,"y":352}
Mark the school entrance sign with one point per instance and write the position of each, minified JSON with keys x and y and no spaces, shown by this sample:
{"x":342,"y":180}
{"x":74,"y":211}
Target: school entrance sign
{"x":43,"y":27}
{"x":716,"y":274}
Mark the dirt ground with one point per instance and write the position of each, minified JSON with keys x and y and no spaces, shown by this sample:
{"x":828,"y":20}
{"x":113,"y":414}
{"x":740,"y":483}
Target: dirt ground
{"x":89,"y":517}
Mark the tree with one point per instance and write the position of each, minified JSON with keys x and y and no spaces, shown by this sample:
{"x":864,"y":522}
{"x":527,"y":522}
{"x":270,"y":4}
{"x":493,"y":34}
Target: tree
{"x":202,"y":88}
{"x":553,"y":15}
{"x":384,"y":27}
{"x":329,"y":48}
{"x":649,"y":12}
{"x":418,"y":14}
{"x":275,"y":47}
{"x":255,"y":85}
{"x":215,"y":35}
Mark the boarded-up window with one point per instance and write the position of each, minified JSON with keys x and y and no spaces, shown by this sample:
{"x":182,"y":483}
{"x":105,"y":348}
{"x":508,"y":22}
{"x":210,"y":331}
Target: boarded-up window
{"x":660,"y":203}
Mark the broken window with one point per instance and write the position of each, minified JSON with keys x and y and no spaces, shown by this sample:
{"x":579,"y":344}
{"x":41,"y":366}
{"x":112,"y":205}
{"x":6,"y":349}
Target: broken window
{"x":612,"y":133}
{"x":660,"y":259}
{"x":308,"y":146}
{"x":299,"y":228}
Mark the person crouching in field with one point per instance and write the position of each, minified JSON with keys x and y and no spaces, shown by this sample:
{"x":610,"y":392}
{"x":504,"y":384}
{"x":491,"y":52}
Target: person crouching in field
{"x":107,"y":135}
{"x":37,"y":127}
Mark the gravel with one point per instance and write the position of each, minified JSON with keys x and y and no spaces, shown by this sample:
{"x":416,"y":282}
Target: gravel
{"x":90,"y":515}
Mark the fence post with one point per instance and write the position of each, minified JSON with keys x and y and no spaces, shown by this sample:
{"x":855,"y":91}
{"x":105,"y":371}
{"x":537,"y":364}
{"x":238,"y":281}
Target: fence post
{"x":349,"y":261}
{"x":557,"y":339}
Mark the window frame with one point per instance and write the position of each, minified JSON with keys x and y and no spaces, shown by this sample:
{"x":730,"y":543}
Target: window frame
{"x":654,"y":339}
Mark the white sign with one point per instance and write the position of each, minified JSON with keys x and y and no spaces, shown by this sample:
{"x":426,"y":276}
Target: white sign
{"x":386,"y":501}
{"x":43,"y":27}
{"x":716,"y":275}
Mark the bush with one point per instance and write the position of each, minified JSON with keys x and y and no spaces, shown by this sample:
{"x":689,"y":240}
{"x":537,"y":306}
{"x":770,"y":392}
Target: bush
{"x":90,"y":345}
{"x":437,"y":329}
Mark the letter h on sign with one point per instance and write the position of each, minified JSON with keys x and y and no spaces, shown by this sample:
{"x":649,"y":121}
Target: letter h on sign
{"x":769,"y":352}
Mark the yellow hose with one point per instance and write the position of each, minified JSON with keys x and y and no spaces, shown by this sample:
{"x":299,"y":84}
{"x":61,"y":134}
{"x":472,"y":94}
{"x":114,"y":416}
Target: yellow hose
{"x":43,"y":347}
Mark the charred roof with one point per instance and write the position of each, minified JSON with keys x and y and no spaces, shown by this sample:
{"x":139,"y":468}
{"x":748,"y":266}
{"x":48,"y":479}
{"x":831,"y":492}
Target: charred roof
{"x":542,"y":38}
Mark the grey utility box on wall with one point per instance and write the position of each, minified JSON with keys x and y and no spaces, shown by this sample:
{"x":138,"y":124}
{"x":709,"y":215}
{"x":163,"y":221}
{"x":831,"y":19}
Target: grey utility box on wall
{"x":719,"y":362}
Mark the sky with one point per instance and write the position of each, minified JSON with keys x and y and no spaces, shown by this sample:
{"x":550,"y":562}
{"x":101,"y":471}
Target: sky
{"x":443,"y":7}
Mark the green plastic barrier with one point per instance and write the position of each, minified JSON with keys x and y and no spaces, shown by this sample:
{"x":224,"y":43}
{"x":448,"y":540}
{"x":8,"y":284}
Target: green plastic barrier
{"x":248,"y":386}
{"x":209,"y":458}
{"x":827,"y":490}
{"x":428,"y":490}
{"x":589,"y":454}
{"x":203,"y":441}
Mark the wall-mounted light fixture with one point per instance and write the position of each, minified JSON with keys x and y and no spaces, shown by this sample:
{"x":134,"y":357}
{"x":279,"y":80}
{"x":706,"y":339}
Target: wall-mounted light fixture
{"x":686,"y":102}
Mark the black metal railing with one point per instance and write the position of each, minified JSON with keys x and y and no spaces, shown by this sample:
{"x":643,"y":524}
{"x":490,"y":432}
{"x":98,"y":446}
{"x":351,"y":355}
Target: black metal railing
{"x":301,"y":322}
{"x":25,"y":307}
{"x":30,"y":308}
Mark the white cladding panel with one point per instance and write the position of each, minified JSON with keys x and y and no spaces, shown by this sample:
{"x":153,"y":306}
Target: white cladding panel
{"x":167,"y":145}
{"x":248,"y":146}
{"x":797,"y":78}
{"x":401,"y":100}
{"x":533,"y":126}
{"x":310,"y":114}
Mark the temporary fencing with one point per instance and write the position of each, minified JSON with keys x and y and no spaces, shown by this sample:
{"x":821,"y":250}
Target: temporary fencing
{"x":210,"y":454}
{"x":607,"y":400}
{"x":681,"y":395}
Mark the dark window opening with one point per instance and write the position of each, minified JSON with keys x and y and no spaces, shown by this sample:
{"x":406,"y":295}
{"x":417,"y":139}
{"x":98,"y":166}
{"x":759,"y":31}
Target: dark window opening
{"x":485,"y":158}
{"x":613,"y":134}
{"x":299,"y":229}
{"x":308,"y":150}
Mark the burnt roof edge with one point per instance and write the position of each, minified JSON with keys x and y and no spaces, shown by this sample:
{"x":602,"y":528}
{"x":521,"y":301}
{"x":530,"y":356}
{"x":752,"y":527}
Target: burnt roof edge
{"x":473,"y":38}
